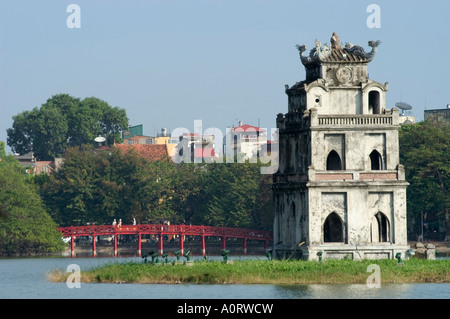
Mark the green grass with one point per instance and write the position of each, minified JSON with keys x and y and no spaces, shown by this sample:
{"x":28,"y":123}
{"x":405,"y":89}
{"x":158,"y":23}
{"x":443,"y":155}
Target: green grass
{"x":266,"y":272}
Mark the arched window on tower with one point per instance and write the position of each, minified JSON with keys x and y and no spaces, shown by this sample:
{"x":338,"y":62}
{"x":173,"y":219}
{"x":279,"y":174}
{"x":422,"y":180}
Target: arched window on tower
{"x":334,"y":162}
{"x":333,"y":229}
{"x":374,"y":102}
{"x":376,"y":161}
{"x":380,"y":228}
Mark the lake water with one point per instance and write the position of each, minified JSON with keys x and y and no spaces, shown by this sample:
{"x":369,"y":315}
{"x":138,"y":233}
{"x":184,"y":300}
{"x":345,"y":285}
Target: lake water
{"x":25,"y":278}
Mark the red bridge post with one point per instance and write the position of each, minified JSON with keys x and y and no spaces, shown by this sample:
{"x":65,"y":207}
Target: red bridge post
{"x":203,"y":246}
{"x":139,"y":244}
{"x":94,"y":251}
{"x":160,"y":243}
{"x":224,"y":243}
{"x":115,"y":244}
{"x":182,"y":244}
{"x":72,"y":243}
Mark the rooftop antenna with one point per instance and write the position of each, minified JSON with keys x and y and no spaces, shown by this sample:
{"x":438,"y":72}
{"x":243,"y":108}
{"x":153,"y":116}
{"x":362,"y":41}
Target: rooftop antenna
{"x":100,"y":140}
{"x":403,"y":106}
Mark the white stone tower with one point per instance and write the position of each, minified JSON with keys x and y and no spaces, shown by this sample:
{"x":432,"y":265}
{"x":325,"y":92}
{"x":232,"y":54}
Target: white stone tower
{"x":340,"y":190}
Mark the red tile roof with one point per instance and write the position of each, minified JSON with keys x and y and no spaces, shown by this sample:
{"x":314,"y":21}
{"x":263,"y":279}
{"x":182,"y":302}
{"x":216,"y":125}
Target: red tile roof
{"x":248,"y":128}
{"x":151,"y":152}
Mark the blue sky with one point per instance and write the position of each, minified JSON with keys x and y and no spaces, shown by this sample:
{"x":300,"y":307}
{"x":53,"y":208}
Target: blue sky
{"x":171,"y":62}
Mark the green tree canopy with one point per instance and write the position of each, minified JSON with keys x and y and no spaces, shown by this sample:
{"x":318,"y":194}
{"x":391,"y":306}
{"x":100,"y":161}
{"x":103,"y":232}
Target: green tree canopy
{"x":25,"y":227}
{"x":64,"y":121}
{"x":231,"y":191}
{"x":93,"y":186}
{"x":425,"y":154}
{"x":99,"y":186}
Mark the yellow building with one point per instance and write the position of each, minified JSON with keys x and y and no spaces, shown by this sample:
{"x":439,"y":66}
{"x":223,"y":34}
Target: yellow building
{"x":135,"y":136}
{"x":170,"y":142}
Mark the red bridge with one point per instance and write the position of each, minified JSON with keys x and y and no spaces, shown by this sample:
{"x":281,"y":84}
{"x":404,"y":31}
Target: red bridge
{"x":160,"y":230}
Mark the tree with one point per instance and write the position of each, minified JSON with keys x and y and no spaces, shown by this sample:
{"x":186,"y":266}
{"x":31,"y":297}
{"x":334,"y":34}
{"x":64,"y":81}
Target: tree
{"x":64,"y":121}
{"x":188,"y":180}
{"x":25,"y":227}
{"x":233,"y":196}
{"x":94,"y":186}
{"x":425,"y":153}
{"x":262,"y":214}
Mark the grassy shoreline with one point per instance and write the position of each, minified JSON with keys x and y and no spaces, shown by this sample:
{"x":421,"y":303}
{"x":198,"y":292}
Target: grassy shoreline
{"x":281,"y":272}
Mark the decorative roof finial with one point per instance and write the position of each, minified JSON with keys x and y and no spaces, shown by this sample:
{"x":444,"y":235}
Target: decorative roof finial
{"x":335,"y":41}
{"x":348,"y":53}
{"x":359,"y":51}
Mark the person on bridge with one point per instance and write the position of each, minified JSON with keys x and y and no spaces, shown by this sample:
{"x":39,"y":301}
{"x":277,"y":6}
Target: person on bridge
{"x":114,"y":223}
{"x":120,"y":223}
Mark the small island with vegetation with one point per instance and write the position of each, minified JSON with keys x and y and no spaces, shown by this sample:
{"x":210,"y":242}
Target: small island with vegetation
{"x":259,"y":271}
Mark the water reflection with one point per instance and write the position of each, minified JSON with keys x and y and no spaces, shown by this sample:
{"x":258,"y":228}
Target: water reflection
{"x":335,"y":291}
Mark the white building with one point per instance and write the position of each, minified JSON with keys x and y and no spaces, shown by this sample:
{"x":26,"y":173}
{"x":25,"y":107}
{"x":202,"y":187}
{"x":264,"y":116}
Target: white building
{"x":340,"y":190}
{"x":245,"y":141}
{"x":195,"y":148}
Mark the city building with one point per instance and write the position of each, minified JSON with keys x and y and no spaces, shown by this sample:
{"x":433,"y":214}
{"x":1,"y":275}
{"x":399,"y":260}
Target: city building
{"x":170,"y":142}
{"x":135,"y":136}
{"x":245,"y":141}
{"x":438,"y":114}
{"x":195,"y":148}
{"x":133,"y":130}
{"x":139,"y":139}
{"x":35,"y":167}
{"x":340,"y":191}
{"x":406,"y":119}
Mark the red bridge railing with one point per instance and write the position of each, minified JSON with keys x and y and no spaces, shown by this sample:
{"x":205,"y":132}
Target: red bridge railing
{"x":160,"y":230}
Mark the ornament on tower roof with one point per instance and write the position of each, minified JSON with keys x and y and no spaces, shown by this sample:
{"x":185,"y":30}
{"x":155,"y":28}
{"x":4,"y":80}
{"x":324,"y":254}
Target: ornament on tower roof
{"x":336,"y":53}
{"x":335,"y":41}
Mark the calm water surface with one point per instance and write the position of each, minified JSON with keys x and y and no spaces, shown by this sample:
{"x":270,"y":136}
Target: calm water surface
{"x":25,"y":278}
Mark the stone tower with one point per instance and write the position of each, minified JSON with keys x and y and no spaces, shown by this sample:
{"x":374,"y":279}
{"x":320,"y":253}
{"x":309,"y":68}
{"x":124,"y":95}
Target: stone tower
{"x":340,"y":190}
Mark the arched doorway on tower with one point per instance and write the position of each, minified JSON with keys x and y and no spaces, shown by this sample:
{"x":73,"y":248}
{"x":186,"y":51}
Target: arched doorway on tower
{"x":380,"y":228}
{"x":374,"y":102}
{"x":333,"y":229}
{"x":376,"y":161}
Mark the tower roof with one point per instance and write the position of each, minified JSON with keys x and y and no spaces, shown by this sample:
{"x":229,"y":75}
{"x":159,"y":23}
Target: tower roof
{"x":335,"y":53}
